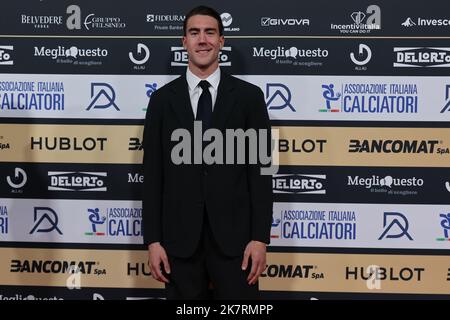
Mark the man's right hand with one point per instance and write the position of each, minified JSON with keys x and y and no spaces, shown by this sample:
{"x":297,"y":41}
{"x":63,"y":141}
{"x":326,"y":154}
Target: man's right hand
{"x":156,"y":256}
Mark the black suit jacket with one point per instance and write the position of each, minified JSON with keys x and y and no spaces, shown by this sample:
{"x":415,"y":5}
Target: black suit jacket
{"x":238,"y":198}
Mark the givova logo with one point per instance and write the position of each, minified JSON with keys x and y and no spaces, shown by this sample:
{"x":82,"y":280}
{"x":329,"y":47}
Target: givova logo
{"x":77,"y":181}
{"x":294,"y":183}
{"x":180,"y":57}
{"x":292,"y":271}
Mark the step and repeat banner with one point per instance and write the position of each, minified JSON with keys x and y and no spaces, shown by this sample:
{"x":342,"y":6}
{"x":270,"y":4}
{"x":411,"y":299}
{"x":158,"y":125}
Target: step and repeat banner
{"x":360,"y":94}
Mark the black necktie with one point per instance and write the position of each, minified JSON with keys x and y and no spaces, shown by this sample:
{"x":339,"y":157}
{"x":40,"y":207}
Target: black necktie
{"x":204,"y":107}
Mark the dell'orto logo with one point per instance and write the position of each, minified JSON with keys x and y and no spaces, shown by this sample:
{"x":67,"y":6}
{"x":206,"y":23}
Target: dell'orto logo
{"x":310,"y":184}
{"x":364,"y":55}
{"x":180,"y":57}
{"x":46,"y":220}
{"x":103,"y":96}
{"x":18,"y":180}
{"x":77,"y":181}
{"x":143,"y":54}
{"x":278,"y":97}
{"x":395,"y":225}
{"x":5,"y":55}
{"x":447,"y":99}
{"x":421,"y":57}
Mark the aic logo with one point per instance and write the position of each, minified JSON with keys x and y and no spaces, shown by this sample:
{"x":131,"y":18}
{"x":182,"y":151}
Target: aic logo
{"x":445,"y":224}
{"x":330,"y":97}
{"x":95,"y":219}
{"x":149,"y":89}
{"x":364,"y":55}
{"x":447,"y":99}
{"x":77,"y":181}
{"x":278,"y":97}
{"x":143,"y":54}
{"x":397,"y":220}
{"x":19,"y":180}
{"x":180,"y":57}
{"x":422,"y":57}
{"x":46,"y":220}
{"x":105,"y":91}
{"x":5,"y":55}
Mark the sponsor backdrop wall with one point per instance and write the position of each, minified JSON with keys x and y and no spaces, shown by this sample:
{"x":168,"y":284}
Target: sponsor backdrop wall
{"x":360,"y":94}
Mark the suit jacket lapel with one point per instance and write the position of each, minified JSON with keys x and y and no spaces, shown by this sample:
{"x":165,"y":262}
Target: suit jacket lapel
{"x":225,"y":101}
{"x":181,"y":103}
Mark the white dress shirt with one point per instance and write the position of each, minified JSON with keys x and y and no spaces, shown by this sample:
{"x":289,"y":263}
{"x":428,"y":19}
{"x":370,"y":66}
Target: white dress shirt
{"x":195,"y":90}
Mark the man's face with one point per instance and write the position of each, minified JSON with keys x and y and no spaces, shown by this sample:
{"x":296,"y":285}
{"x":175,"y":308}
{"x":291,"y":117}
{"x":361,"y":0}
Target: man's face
{"x":203,"y":42}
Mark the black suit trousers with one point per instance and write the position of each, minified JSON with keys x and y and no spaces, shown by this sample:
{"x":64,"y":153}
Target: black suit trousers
{"x":208,"y":268}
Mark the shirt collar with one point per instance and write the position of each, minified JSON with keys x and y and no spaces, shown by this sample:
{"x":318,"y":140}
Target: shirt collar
{"x":193,"y":80}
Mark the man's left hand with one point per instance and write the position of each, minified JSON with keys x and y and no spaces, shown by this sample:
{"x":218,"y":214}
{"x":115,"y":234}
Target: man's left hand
{"x":256,"y":251}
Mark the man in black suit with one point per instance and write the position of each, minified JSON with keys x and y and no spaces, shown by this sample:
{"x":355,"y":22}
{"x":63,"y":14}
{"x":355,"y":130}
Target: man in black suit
{"x":205,"y":223}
